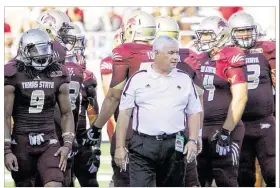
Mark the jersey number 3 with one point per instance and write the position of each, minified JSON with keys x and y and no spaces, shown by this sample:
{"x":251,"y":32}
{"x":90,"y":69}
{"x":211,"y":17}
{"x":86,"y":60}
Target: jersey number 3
{"x":253,"y":79}
{"x":37,"y":101}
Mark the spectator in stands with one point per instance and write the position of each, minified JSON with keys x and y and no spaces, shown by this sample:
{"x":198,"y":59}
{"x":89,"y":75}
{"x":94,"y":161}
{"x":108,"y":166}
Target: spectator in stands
{"x":115,"y":20}
{"x":228,"y":11}
{"x":110,"y":21}
{"x":8,"y":41}
{"x":156,"y":12}
{"x":7,"y":27}
{"x":75,"y":14}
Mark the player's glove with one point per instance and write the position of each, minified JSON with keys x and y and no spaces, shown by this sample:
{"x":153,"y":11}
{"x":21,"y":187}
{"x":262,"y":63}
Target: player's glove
{"x":223,"y":139}
{"x":75,"y":149}
{"x":91,"y":136}
{"x":94,"y":161}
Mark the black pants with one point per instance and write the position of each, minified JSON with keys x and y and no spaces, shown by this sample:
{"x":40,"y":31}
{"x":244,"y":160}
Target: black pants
{"x":210,"y":165}
{"x":259,"y":141}
{"x":155,"y":163}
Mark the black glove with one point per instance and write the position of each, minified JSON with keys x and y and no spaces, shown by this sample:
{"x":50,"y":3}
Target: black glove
{"x":94,"y":161}
{"x":91,"y":136}
{"x":223,"y":139}
{"x":75,"y":149}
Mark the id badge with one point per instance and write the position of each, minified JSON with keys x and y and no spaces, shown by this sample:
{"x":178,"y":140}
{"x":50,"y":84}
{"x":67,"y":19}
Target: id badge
{"x":179,"y":143}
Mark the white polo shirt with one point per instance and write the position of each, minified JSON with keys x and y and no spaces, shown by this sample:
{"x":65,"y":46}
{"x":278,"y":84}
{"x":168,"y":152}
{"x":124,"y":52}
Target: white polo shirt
{"x":160,"y":102}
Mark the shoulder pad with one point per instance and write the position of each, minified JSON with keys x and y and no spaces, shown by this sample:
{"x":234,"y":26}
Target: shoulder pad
{"x":107,"y":60}
{"x":230,"y":51}
{"x":59,"y":52}
{"x":268,"y":46}
{"x":63,"y":72}
{"x":192,"y":60}
{"x":233,"y":55}
{"x":121,"y":52}
{"x":106,"y":66}
{"x":88,"y":75}
{"x":10,"y":69}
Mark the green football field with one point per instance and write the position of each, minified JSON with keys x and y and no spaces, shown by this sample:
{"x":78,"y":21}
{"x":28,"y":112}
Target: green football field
{"x":104,"y":174}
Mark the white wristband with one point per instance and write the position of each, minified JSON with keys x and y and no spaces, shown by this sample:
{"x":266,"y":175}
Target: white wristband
{"x":200,"y":133}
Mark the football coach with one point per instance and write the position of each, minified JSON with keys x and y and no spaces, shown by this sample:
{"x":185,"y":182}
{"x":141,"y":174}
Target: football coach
{"x":160,"y":98}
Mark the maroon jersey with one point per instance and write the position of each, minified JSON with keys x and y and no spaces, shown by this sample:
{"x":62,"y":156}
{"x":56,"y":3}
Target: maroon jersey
{"x":218,"y":73}
{"x":86,"y":96}
{"x":184,"y":53}
{"x":260,"y":63}
{"x":106,"y":66}
{"x":35,"y":98}
{"x":127,"y":59}
{"x":59,"y":52}
{"x":76,"y":77}
{"x":189,"y":65}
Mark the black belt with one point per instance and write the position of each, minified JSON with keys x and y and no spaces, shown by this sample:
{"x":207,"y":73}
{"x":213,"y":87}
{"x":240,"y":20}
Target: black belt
{"x":158,"y":137}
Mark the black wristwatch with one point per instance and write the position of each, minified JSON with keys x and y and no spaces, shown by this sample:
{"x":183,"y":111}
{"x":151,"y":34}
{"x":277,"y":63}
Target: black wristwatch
{"x":193,"y":140}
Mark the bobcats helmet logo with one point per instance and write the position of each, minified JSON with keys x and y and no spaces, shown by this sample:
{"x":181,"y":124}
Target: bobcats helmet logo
{"x":132,"y":22}
{"x":49,"y":19}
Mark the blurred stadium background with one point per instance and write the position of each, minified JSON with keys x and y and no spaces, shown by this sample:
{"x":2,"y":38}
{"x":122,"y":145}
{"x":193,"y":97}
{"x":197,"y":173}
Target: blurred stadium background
{"x":99,"y":24}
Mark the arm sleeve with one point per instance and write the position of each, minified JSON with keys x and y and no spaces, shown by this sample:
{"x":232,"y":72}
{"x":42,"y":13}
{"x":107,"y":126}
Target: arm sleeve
{"x":194,"y":105}
{"x":235,"y":69}
{"x":236,"y":75}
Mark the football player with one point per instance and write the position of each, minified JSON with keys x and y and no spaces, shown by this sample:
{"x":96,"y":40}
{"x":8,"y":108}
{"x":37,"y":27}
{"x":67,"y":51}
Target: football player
{"x":106,"y":69}
{"x":87,"y":161}
{"x":166,"y":25}
{"x":270,"y":36}
{"x":135,"y":53}
{"x":222,"y":73}
{"x":34,"y":83}
{"x":57,"y":25}
{"x":259,"y":140}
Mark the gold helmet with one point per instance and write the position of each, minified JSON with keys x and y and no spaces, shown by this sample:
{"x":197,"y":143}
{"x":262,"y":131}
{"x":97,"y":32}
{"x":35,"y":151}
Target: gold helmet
{"x":140,"y":26}
{"x":165,"y":25}
{"x":56,"y":24}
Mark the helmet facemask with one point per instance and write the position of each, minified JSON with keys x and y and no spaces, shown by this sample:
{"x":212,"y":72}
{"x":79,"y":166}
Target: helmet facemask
{"x":63,"y":36}
{"x":79,"y":47}
{"x":207,"y":40}
{"x":244,"y":37}
{"x":37,"y":55}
